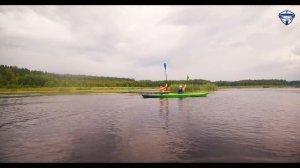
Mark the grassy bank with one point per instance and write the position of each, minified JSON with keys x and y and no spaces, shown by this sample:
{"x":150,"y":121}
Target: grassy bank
{"x":99,"y":90}
{"x":75,"y":90}
{"x":208,"y":87}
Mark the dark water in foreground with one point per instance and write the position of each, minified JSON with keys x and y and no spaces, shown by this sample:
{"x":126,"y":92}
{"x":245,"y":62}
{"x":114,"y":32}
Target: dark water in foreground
{"x":246,"y":125}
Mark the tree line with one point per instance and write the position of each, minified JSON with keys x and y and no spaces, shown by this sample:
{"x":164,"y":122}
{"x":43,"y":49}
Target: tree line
{"x":14,"y":77}
{"x":262,"y":82}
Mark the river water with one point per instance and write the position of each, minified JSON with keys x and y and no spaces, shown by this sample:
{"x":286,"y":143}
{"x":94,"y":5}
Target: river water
{"x":235,"y":125}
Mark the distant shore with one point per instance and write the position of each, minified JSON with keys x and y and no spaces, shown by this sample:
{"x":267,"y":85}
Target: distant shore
{"x":74,"y":90}
{"x":21,"y":92}
{"x":255,"y":86}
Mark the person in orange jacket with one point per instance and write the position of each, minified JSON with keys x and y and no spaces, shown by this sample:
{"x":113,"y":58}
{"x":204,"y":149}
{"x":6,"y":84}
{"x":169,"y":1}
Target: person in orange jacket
{"x":163,"y":89}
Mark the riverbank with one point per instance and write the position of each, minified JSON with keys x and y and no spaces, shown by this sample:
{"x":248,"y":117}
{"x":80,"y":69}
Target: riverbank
{"x":21,"y":92}
{"x":74,"y":90}
{"x":254,"y":87}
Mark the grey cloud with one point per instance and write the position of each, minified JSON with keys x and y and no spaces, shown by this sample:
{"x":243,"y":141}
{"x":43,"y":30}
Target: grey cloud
{"x":296,"y":50}
{"x":208,"y":42}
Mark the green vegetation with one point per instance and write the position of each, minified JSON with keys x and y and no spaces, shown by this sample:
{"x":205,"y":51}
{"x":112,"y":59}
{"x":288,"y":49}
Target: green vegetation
{"x":22,"y":79}
{"x":263,"y":83}
{"x":13,"y":77}
{"x":75,"y":90}
{"x":207,"y":87}
{"x":14,"y":80}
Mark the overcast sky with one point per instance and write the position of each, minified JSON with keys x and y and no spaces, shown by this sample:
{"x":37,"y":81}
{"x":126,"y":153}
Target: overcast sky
{"x":204,"y":42}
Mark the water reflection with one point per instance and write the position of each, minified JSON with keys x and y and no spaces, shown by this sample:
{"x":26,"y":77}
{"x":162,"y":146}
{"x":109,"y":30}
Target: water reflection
{"x":164,"y":105}
{"x":164,"y":111}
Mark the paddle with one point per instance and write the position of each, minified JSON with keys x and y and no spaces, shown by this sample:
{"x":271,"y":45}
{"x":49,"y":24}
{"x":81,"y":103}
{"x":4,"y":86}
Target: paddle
{"x":165,"y":66}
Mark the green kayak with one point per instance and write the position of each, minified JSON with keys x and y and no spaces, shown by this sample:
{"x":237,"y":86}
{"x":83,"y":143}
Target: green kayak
{"x":175,"y":95}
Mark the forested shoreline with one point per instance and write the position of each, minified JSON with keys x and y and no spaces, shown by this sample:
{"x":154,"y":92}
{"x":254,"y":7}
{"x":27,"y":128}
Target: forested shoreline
{"x":15,"y":77}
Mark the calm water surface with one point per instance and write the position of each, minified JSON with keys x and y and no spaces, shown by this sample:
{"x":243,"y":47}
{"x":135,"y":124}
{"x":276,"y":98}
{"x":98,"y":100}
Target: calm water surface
{"x":245,"y":125}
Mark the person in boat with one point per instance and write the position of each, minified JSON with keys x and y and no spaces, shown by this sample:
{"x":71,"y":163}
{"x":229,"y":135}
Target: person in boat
{"x":163,"y":89}
{"x":181,"y":89}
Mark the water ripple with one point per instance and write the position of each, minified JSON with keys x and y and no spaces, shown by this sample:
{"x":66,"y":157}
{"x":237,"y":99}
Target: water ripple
{"x":245,"y":125}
